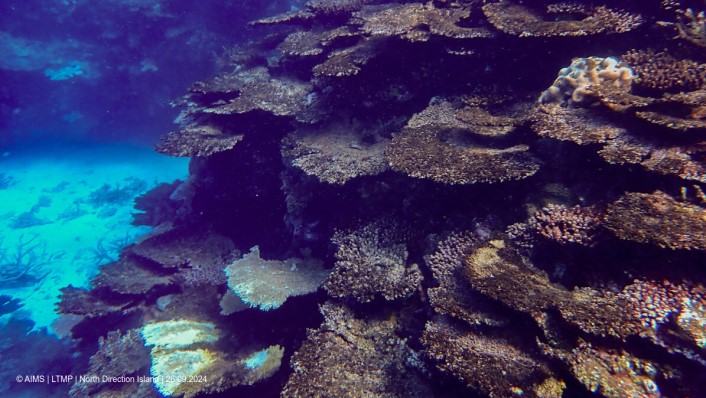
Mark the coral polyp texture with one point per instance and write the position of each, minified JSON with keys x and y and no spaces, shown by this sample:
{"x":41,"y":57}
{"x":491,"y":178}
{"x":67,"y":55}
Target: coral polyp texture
{"x":371,"y":264}
{"x":496,"y":198}
{"x":267,"y":284}
{"x":659,"y":219}
{"x":438,"y":146}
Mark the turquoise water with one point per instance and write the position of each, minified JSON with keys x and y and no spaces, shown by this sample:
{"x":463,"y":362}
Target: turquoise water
{"x":65,"y":211}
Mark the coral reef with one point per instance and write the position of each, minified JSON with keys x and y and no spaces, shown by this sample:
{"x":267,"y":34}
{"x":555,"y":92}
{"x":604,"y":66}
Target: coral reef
{"x":349,"y":356}
{"x":267,"y":284}
{"x":335,"y":157}
{"x":430,"y":146}
{"x":488,"y":364}
{"x":369,"y":264}
{"x":567,"y":225}
{"x":659,"y":219}
{"x":474,"y":231}
{"x":518,"y":20}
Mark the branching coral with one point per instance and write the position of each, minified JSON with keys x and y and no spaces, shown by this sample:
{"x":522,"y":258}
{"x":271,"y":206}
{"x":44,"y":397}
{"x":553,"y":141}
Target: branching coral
{"x":267,"y":284}
{"x":369,"y":264}
{"x":485,"y":363}
{"x":119,"y":355}
{"x":609,"y":373}
{"x":661,"y":71}
{"x":659,"y":219}
{"x":27,"y":262}
{"x":452,"y":296}
{"x":567,"y":225}
{"x":350,"y":356}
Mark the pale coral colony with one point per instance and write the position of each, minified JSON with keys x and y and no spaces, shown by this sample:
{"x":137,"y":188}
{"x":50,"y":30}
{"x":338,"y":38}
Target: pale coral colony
{"x":405,"y":199}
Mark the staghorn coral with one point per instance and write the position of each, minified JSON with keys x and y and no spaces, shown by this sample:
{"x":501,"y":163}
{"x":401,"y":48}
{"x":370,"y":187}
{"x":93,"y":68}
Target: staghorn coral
{"x":417,"y":22}
{"x":567,"y":225}
{"x":429,"y":147}
{"x":197,"y":141}
{"x":691,"y":25}
{"x":451,"y":296}
{"x":335,"y":154}
{"x":581,"y":78}
{"x":501,"y":273}
{"x":267,"y":284}
{"x":611,"y":373}
{"x":517,"y":20}
{"x":491,"y":365}
{"x":356,"y":357}
{"x":661,"y":71}
{"x":370,"y":264}
{"x":659,"y":219}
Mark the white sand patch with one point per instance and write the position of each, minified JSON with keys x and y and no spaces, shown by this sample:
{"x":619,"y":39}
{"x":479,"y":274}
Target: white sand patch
{"x":58,"y":182}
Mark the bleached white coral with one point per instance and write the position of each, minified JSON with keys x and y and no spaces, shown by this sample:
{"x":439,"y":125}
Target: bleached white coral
{"x":579,"y":79}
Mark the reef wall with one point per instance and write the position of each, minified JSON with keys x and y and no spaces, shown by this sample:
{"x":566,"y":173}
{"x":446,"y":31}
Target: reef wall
{"x":496,"y":198}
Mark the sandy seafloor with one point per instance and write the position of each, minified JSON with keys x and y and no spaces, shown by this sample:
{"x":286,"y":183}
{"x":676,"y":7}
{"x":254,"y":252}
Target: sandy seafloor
{"x":80,"y":229}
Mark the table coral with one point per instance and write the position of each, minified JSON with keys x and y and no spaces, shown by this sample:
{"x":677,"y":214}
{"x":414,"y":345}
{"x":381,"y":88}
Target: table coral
{"x":659,"y":219}
{"x":337,"y":153}
{"x":267,"y":284}
{"x":518,"y":20}
{"x":430,"y":148}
